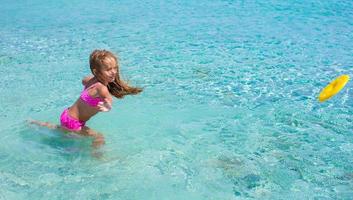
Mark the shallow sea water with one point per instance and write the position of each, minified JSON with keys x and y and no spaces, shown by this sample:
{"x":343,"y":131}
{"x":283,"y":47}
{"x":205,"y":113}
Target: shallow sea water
{"x":229,"y":108}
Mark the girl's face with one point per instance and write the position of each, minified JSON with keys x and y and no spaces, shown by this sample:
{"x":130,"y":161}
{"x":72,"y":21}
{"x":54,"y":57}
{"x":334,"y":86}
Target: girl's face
{"x":109,"y":70}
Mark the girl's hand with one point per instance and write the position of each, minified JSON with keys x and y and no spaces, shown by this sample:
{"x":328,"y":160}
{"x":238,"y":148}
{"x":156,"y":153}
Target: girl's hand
{"x":104,"y":106}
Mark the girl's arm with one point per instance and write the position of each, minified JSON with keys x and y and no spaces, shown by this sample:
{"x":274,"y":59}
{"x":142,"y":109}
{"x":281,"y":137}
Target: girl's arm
{"x":104,"y":93}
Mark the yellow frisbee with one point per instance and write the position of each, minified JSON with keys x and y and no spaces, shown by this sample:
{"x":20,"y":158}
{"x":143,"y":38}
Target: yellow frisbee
{"x":333,"y":88}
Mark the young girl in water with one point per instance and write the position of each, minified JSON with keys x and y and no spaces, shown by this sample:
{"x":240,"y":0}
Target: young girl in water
{"x":96,"y":96}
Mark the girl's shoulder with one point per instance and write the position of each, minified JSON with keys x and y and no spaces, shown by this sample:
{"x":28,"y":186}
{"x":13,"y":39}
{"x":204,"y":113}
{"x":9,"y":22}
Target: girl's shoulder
{"x":101,"y":87}
{"x":96,"y":85}
{"x":87,"y":79}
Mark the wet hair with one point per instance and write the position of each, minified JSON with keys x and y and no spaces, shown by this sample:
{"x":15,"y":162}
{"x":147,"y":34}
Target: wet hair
{"x":118,"y":87}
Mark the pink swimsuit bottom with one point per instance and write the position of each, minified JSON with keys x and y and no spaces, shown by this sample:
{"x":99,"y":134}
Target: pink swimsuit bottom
{"x":69,"y":122}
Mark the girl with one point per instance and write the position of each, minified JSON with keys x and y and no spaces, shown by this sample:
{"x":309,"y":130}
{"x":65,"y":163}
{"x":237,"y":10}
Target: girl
{"x":96,"y":96}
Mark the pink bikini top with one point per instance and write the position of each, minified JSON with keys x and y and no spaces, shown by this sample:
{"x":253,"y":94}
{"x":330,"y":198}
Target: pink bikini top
{"x":89,"y":100}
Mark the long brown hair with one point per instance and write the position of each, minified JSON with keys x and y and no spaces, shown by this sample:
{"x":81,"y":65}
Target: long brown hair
{"x":118,"y":87}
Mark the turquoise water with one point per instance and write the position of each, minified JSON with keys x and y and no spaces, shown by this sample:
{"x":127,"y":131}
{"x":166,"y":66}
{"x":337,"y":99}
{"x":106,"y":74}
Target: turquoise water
{"x":229,"y":109}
